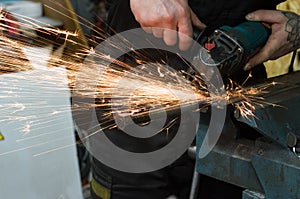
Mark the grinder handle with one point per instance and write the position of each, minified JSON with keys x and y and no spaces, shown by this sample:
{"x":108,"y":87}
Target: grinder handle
{"x":251,"y":35}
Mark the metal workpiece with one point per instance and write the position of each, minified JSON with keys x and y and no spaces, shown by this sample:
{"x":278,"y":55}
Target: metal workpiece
{"x":230,"y":161}
{"x":267,"y":165}
{"x":247,"y":194}
{"x":277,"y":117}
{"x":260,"y":166}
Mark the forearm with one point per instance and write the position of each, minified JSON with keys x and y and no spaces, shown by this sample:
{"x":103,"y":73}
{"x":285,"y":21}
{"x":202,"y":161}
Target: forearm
{"x":292,"y":27}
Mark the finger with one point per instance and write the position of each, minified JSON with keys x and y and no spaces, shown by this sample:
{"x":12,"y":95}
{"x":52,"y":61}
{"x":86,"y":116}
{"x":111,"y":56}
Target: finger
{"x":170,"y":37}
{"x":196,"y":21}
{"x":185,"y":32}
{"x":259,"y":58}
{"x":158,"y":32}
{"x":271,"y":16}
{"x":263,"y":55}
{"x":147,"y":29}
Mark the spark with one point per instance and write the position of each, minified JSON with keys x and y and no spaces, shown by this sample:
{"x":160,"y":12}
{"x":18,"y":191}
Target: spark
{"x":53,"y":150}
{"x":27,"y":127}
{"x":41,"y":135}
{"x":127,"y":89}
{"x":23,"y":148}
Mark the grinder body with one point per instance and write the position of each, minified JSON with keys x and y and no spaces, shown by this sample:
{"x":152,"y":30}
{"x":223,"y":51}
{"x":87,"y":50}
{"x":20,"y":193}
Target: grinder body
{"x":229,"y":48}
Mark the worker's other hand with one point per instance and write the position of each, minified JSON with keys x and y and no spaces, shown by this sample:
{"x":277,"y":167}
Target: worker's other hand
{"x":163,"y":18}
{"x":285,"y":36}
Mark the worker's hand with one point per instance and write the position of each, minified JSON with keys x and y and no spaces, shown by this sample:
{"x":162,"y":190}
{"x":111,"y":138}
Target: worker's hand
{"x":163,"y":17}
{"x":285,"y":35}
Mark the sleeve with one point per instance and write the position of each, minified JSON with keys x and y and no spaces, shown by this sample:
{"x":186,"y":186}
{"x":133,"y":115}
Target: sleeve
{"x":215,"y":13}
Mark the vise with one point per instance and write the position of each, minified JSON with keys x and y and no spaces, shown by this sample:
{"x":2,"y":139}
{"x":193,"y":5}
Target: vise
{"x":259,"y":153}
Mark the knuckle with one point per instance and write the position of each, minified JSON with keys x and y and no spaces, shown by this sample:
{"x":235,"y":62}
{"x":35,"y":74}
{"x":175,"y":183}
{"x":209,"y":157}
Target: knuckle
{"x":168,"y":18}
{"x":149,"y":22}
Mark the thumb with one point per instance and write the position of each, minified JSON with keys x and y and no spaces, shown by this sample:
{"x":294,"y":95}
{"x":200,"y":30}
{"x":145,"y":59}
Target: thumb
{"x":270,"y":16}
{"x":196,"y":21}
{"x":267,"y":52}
{"x":257,"y":59}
